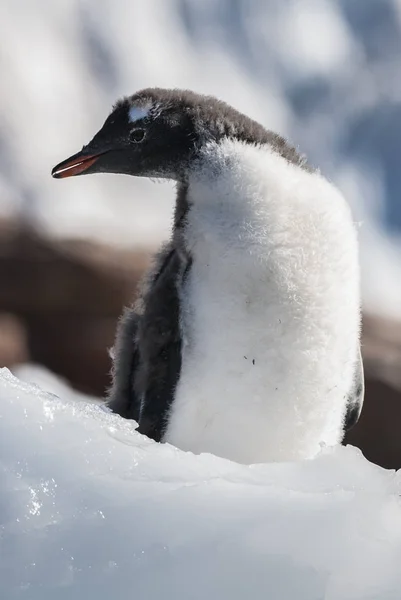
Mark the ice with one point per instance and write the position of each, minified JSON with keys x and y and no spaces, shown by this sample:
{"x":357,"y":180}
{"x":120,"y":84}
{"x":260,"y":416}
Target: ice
{"x":91,"y":509}
{"x":44,"y":378}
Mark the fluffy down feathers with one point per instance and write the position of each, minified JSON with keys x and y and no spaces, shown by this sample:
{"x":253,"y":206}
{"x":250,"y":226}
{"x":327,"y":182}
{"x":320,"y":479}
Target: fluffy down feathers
{"x":270,"y":310}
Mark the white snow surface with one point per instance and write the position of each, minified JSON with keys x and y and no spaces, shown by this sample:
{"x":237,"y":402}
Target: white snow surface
{"x":91,"y":509}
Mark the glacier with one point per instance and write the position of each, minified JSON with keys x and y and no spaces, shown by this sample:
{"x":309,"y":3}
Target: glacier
{"x":89,"y":508}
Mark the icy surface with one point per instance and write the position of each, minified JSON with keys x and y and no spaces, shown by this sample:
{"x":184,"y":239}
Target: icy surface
{"x":39,"y":375}
{"x":91,"y":509}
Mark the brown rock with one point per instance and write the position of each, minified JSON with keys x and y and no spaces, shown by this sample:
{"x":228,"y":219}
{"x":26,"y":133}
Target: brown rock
{"x":13,"y":341}
{"x":378,"y":432}
{"x":67,"y":295}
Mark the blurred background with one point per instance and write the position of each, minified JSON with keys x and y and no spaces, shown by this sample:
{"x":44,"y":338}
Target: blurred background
{"x":324,"y":73}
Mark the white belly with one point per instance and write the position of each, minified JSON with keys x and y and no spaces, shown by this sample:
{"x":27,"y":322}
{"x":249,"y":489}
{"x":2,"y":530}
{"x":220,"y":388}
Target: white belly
{"x":270,"y":319}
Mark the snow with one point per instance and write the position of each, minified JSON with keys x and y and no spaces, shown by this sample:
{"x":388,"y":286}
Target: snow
{"x":55,"y":384}
{"x":322,"y":72}
{"x":91,"y":509}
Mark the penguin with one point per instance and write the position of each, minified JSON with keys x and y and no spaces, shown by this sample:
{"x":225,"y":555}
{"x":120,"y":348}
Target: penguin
{"x":244,"y":341}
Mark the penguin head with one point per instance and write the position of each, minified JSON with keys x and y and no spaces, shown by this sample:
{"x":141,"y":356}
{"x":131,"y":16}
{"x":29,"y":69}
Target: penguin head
{"x":150,"y":134}
{"x":158,"y":133}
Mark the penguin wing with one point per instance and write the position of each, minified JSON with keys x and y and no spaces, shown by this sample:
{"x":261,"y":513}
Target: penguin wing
{"x":136,"y":344}
{"x":160,"y":346}
{"x":122,"y":397}
{"x":356,"y":395}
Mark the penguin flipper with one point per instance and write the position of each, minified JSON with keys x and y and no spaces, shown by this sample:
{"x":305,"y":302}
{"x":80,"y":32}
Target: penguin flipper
{"x":160,"y":345}
{"x":122,"y":397}
{"x":356,"y":396}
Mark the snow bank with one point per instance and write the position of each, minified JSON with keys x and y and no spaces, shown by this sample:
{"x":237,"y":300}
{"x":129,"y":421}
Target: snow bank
{"x":91,"y":509}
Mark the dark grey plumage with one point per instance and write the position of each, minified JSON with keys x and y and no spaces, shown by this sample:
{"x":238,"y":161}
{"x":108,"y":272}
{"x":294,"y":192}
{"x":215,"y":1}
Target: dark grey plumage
{"x":123,"y":398}
{"x":147,"y":352}
{"x":356,"y":396}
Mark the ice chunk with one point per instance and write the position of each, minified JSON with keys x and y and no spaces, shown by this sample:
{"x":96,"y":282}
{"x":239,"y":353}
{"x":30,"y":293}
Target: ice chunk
{"x":91,"y":509}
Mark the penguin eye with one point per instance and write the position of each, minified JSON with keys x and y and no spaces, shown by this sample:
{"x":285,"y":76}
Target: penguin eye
{"x":137,"y":135}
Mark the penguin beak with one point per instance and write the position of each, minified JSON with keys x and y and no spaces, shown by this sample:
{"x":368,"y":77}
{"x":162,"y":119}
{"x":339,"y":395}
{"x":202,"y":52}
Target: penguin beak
{"x":76,"y":165}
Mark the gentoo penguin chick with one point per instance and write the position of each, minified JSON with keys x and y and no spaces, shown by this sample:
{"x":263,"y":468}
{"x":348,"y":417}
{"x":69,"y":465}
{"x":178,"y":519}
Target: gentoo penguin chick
{"x":245,"y":340}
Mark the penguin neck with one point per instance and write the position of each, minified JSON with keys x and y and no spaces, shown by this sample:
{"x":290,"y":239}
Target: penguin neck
{"x":181,"y":204}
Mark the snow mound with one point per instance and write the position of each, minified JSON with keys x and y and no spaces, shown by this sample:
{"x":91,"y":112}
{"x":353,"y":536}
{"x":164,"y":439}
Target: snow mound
{"x":44,"y":378}
{"x":91,"y":509}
